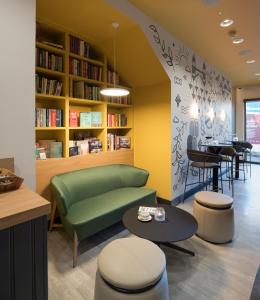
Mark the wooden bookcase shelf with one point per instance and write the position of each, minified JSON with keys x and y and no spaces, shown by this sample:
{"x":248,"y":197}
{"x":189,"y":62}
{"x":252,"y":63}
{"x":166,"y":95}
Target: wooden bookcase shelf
{"x":66,"y":102}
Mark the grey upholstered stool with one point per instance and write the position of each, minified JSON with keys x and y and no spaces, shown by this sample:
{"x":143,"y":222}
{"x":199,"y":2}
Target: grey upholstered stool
{"x":131,"y":268}
{"x":215,"y":216}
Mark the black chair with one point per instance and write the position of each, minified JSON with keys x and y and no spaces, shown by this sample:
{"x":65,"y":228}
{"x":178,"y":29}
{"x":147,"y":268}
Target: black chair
{"x":240,"y":153}
{"x":204,"y":161}
{"x":247,"y":151}
{"x":228,"y":155}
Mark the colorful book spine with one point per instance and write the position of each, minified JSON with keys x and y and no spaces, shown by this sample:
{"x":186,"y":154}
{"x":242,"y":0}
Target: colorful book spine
{"x":48,"y":60}
{"x":85,"y":119}
{"x":79,"y":47}
{"x":115,"y":142}
{"x":116,"y":120}
{"x":47,"y":86}
{"x":46,"y":117}
{"x":74,"y":118}
{"x":85,"y":69}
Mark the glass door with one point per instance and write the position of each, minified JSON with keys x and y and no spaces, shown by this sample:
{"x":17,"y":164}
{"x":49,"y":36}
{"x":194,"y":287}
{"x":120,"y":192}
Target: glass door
{"x":252,"y":126}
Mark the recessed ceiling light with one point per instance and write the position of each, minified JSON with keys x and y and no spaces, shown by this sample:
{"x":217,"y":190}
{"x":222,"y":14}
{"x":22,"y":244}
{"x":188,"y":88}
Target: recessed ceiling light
{"x":251,"y":61}
{"x":226,"y":23}
{"x":237,"y":40}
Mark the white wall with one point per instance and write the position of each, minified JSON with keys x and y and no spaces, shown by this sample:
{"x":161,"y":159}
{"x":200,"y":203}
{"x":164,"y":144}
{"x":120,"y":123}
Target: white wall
{"x":250,"y":92}
{"x":17,"y":48}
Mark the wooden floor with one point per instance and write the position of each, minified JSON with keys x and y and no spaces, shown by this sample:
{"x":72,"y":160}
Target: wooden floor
{"x":216,"y":272}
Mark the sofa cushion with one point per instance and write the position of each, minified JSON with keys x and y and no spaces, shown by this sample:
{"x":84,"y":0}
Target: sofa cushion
{"x":96,"y":213}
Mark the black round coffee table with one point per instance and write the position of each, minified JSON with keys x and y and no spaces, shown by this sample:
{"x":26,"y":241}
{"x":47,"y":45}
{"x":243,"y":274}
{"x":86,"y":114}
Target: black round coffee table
{"x":179,"y":225}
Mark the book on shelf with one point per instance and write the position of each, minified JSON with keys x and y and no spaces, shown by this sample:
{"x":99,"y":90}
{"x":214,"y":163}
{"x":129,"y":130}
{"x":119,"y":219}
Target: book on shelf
{"x":116,"y":142}
{"x":85,"y":69}
{"x":116,"y":120}
{"x":85,"y":119}
{"x":112,"y":77}
{"x":79,"y":47}
{"x":86,"y":146}
{"x":119,"y":100}
{"x":55,"y":149}
{"x":74,"y":118}
{"x":46,"y":144}
{"x":47,"y":86}
{"x":84,"y":91}
{"x":96,"y":119}
{"x":48,"y":60}
{"x":48,"y":117}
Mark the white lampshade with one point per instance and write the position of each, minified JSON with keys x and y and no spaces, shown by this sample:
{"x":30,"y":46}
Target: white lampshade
{"x":114,"y":92}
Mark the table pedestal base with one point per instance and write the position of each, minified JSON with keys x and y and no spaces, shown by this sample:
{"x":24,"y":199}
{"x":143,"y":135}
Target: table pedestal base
{"x":178,"y":248}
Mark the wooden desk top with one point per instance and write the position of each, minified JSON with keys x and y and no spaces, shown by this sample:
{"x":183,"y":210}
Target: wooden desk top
{"x":20,"y":206}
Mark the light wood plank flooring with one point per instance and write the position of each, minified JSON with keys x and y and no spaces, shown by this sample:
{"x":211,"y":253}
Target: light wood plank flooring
{"x":217,"y":272}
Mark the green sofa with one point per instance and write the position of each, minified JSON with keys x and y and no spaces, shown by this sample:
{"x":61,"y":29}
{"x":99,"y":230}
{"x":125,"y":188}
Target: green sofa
{"x":90,"y":200}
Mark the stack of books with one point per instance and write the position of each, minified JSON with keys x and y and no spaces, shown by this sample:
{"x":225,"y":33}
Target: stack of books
{"x":116,"y":142}
{"x":45,"y":59}
{"x":85,"y":69}
{"x":85,"y":119}
{"x":51,"y":148}
{"x":48,"y":117}
{"x":47,"y":86}
{"x":84,"y":91}
{"x":86,"y":146}
{"x":116,"y":120}
{"x":79,"y":47}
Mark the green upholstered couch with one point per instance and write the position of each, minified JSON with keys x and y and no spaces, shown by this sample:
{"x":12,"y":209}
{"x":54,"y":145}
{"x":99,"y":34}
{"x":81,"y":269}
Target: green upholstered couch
{"x":92,"y":199}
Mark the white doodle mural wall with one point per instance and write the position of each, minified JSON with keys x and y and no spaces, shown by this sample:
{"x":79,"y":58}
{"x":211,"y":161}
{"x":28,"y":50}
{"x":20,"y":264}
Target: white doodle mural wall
{"x":201,"y":96}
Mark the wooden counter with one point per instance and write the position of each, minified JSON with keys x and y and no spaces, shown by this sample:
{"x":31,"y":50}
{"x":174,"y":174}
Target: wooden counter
{"x":23,"y":240}
{"x":20,"y":206}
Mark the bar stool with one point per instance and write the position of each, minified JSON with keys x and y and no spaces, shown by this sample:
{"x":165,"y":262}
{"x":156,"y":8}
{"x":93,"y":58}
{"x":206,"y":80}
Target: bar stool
{"x":131,"y":269}
{"x":204,"y":161}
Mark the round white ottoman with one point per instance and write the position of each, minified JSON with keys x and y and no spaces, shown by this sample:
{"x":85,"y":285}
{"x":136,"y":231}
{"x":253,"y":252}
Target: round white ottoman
{"x":131,"y":268}
{"x":215,"y":216}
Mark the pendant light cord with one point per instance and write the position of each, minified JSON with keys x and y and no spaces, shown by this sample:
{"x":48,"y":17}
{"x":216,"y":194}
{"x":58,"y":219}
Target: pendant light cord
{"x":114,"y":54}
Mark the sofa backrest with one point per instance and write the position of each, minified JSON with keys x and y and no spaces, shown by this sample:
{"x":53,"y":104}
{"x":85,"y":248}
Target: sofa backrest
{"x":69,"y":188}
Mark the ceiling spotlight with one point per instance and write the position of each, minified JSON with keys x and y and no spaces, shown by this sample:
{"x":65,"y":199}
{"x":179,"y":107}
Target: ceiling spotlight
{"x":237,"y":40}
{"x":250,"y":61}
{"x":226,"y":23}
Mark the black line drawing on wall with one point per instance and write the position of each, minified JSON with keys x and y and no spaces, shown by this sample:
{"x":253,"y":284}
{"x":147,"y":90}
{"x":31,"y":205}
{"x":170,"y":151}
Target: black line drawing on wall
{"x":166,"y":50}
{"x":177,"y":80}
{"x":182,"y":56}
{"x":196,"y":72}
{"x":185,"y":109}
{"x":176,"y":120}
{"x":178,"y":100}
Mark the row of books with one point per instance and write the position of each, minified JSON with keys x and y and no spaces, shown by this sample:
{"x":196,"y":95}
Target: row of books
{"x":48,"y":149}
{"x":119,"y":100}
{"x":47,"y":86}
{"x":82,"y":90}
{"x":85,"y":119}
{"x":90,"y":145}
{"x":116,"y":120}
{"x":79,"y":47}
{"x":116,"y":142}
{"x":112,"y":77}
{"x":45,"y":59}
{"x":85,"y":69}
{"x":48,"y":117}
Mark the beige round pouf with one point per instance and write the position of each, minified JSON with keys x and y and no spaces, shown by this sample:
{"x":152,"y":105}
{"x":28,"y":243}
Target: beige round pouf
{"x":215,"y":216}
{"x":131,"y":268}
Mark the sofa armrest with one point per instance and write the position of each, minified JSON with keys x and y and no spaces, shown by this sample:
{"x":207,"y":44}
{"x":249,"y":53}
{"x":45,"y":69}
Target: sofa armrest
{"x":61,"y":195}
{"x":133,"y":177}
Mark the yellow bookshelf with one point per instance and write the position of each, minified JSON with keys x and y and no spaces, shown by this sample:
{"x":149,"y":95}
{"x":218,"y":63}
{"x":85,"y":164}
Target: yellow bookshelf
{"x":49,"y":37}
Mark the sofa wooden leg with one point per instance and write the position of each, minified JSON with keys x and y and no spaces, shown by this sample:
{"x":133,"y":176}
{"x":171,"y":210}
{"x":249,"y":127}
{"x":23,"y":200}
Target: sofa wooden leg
{"x":75,"y":249}
{"x":53,"y":211}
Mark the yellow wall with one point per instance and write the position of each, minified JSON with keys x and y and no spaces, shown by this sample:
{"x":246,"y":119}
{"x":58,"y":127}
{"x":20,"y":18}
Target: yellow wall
{"x":152,"y":135}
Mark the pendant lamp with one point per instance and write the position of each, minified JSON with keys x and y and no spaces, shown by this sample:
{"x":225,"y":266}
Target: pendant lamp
{"x":114,"y":91}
